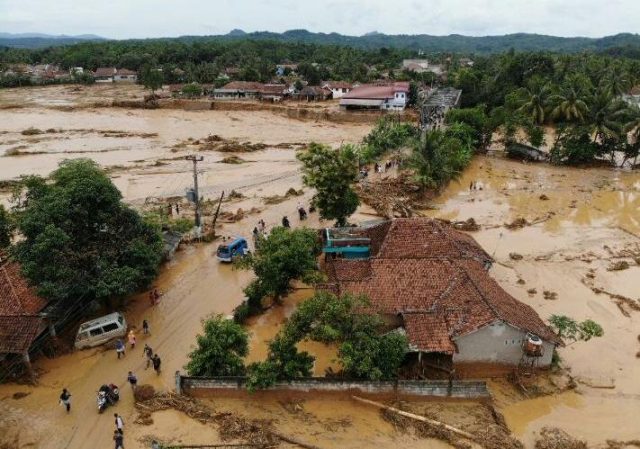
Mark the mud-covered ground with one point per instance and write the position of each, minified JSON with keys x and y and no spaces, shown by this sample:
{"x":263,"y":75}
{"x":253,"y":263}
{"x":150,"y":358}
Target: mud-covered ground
{"x":587,"y":220}
{"x":581,"y":223}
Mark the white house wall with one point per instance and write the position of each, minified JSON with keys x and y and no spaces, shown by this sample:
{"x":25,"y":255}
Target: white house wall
{"x":496,"y":343}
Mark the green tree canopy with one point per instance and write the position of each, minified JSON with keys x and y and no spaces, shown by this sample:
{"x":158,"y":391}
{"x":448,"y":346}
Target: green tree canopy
{"x":284,"y":255}
{"x":6,"y":227}
{"x":220,"y":350}
{"x":80,"y":240}
{"x":192,"y":90}
{"x":437,"y":159}
{"x":332,"y":173}
{"x":151,"y":78}
{"x":364,"y":351}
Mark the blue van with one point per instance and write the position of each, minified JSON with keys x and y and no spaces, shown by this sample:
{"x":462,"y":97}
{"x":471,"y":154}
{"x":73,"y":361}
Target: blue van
{"x":227,"y":251}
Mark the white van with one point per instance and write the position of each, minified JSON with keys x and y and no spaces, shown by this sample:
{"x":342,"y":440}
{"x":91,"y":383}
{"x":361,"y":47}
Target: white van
{"x":101,"y":330}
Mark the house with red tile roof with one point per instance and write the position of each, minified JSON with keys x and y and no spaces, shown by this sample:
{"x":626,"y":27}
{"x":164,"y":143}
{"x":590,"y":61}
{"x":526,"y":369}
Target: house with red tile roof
{"x":388,"y":97}
{"x":21,"y":317}
{"x":432,"y":282}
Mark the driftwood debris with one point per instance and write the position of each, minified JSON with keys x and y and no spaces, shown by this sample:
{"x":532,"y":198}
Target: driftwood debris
{"x":433,"y":422}
{"x":230,"y":426}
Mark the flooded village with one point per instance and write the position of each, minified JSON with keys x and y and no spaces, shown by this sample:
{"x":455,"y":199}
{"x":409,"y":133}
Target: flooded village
{"x":509,"y":289}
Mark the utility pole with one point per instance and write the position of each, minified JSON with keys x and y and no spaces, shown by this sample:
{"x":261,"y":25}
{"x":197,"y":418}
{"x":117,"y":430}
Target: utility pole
{"x":195,"y":160}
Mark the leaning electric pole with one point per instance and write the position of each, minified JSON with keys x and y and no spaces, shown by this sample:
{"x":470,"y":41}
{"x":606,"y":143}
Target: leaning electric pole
{"x":196,"y":200}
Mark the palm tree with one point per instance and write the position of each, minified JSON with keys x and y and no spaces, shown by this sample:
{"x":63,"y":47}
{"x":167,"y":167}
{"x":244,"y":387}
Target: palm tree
{"x":437,"y":158}
{"x":535,"y":103}
{"x":605,"y":114}
{"x":617,"y":82}
{"x":569,"y":106}
{"x":633,"y":125}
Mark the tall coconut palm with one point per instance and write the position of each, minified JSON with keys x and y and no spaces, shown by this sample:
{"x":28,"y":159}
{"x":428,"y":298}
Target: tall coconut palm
{"x":617,"y":82}
{"x":569,"y":106}
{"x":633,"y":125}
{"x":535,"y":103}
{"x":605,"y":115}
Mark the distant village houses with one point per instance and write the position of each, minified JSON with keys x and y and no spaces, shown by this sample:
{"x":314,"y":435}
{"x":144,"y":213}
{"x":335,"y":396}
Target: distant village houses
{"x":387,"y":97}
{"x":422,"y":65}
{"x":314,"y":93}
{"x":238,"y":90}
{"x":338,"y":88}
{"x":112,"y":74}
{"x":125,"y":75}
{"x":285,"y":69}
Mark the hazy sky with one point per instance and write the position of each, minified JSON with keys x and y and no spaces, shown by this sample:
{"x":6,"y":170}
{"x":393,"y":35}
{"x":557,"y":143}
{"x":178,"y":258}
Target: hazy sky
{"x":153,"y":18}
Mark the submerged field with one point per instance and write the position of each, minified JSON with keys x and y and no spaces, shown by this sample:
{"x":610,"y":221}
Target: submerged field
{"x":578,"y":224}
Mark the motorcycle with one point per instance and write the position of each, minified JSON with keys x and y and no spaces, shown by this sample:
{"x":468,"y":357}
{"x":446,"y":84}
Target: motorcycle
{"x":107,"y":395}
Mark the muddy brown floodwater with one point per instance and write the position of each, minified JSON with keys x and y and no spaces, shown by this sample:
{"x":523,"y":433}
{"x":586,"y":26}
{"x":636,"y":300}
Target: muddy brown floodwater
{"x":589,"y":220}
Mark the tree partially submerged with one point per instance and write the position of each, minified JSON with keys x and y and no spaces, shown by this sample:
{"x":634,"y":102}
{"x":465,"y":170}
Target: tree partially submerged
{"x":80,"y":239}
{"x":6,"y":227}
{"x":365,"y":352}
{"x":220,"y":350}
{"x":567,"y":327}
{"x":285,"y":255}
{"x":438,"y":158}
{"x":151,"y":78}
{"x":332,"y":173}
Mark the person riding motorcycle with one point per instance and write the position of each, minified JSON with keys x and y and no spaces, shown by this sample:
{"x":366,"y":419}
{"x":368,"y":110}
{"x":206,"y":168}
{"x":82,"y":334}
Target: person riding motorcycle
{"x":107,"y":395}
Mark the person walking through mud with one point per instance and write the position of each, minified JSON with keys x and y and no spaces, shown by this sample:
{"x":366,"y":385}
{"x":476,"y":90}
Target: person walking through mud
{"x":148,"y":353}
{"x":118,"y":439}
{"x":145,"y":327}
{"x":132,"y":339}
{"x":301,"y":212}
{"x":119,"y":423}
{"x":65,"y":399}
{"x":133,"y":380}
{"x":156,"y":363}
{"x":120,"y":348}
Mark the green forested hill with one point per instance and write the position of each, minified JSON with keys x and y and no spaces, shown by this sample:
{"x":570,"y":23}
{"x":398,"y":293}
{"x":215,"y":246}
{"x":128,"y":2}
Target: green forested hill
{"x":424,"y":42}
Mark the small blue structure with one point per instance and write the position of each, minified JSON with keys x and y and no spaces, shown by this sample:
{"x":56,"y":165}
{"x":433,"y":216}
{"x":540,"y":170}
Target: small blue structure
{"x":346,"y":243}
{"x":237,"y":248}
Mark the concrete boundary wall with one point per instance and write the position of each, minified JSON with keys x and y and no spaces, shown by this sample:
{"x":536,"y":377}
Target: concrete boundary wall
{"x":236,"y":386}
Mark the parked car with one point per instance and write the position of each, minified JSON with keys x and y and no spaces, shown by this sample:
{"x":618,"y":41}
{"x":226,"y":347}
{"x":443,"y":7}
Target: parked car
{"x":228,"y":251}
{"x":101,"y":330}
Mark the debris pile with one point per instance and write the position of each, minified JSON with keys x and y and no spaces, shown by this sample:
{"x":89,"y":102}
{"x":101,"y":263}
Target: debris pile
{"x":468,"y":225}
{"x":233,"y":159}
{"x":618,"y":266}
{"x":554,"y":438}
{"x":393,"y":197}
{"x":144,"y":393}
{"x":518,"y":223}
{"x":230,"y":427}
{"x":277,"y":199}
